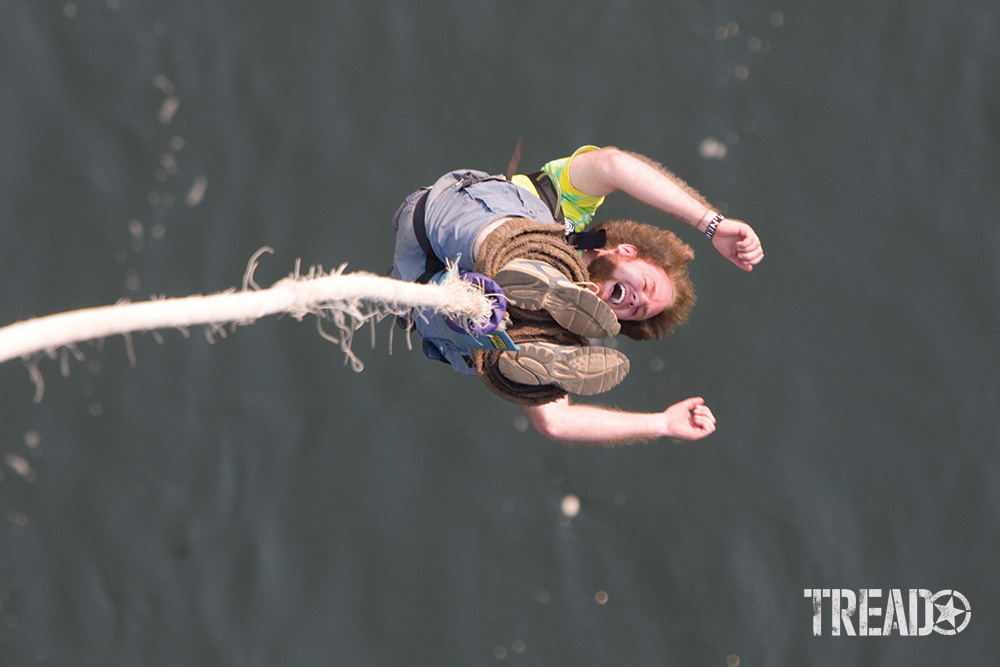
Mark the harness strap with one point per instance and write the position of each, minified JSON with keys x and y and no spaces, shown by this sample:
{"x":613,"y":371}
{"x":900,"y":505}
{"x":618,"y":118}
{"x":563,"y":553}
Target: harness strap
{"x":588,"y":240}
{"x":431,"y":264}
{"x":550,"y":197}
{"x":548,"y":194}
{"x":514,"y":160}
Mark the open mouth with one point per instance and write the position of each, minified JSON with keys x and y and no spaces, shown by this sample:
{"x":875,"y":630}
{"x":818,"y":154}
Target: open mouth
{"x":617,"y":294}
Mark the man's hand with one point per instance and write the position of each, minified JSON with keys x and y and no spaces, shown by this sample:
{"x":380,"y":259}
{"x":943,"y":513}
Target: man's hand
{"x":736,"y":241}
{"x":690,"y":419}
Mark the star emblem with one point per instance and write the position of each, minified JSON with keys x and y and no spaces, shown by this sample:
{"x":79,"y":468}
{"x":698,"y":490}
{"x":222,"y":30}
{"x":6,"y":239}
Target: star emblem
{"x":948,"y":612}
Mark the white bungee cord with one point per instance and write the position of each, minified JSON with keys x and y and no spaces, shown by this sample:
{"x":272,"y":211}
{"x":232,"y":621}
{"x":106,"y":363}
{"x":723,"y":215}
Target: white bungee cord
{"x":348,"y":300}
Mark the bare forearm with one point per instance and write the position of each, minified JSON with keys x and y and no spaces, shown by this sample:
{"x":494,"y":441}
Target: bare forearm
{"x":601,"y":172}
{"x":690,"y":419}
{"x":589,"y":425}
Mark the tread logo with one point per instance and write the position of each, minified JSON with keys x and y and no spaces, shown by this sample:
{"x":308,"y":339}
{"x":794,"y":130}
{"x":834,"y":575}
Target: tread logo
{"x":916,"y":614}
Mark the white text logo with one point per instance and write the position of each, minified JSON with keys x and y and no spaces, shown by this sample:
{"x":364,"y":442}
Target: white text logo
{"x":913,"y":613}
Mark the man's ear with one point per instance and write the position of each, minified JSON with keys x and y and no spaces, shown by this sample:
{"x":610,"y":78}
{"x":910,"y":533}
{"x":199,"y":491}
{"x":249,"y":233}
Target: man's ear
{"x":627,"y":249}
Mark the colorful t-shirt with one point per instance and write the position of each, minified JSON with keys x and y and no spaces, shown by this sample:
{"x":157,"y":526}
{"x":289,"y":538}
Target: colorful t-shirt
{"x":579,"y":208}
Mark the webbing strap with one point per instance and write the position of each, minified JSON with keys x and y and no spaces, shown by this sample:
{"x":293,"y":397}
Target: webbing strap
{"x":588,"y":240}
{"x":515,"y":159}
{"x":548,"y":194}
{"x":431,"y":264}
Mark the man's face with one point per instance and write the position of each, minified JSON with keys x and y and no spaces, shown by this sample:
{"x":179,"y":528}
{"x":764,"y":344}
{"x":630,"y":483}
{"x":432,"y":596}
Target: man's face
{"x":634,"y":288}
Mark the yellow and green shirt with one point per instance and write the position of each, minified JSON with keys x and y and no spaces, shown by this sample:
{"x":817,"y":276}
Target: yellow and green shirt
{"x":579,"y":208}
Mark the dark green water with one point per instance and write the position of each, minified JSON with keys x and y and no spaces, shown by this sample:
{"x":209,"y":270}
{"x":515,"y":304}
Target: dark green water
{"x":255,"y":502}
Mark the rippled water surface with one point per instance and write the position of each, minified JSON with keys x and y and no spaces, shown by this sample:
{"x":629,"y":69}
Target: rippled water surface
{"x":255,"y":502}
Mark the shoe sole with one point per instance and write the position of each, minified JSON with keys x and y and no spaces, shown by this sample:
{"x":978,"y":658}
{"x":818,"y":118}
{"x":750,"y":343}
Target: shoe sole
{"x":579,"y":370}
{"x":539,"y":287}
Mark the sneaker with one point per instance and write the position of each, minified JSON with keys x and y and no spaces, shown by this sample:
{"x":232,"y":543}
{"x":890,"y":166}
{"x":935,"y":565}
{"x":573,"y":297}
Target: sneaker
{"x":535,"y":285}
{"x":584,"y":370}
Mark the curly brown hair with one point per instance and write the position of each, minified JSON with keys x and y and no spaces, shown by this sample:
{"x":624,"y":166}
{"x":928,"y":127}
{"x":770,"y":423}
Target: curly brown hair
{"x":664,"y":249}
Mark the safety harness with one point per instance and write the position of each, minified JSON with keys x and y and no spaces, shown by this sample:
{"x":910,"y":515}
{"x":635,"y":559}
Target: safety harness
{"x":546,"y":191}
{"x":556,"y":245}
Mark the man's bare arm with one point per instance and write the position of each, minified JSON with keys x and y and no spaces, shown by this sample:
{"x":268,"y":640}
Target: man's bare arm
{"x":591,"y":425}
{"x":603,"y":171}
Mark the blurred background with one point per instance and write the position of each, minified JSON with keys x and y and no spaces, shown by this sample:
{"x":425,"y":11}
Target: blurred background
{"x":256,"y":502}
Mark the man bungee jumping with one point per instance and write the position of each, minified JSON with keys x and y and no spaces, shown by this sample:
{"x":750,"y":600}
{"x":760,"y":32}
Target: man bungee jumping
{"x":557,"y":286}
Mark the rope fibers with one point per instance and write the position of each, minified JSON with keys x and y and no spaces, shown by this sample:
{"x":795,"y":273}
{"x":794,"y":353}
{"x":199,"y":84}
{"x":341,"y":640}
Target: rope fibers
{"x":349,"y":300}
